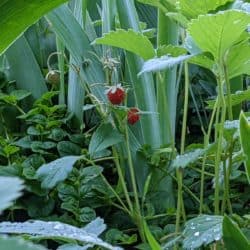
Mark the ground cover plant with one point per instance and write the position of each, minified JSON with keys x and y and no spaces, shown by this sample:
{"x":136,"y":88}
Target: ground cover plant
{"x":124,"y":124}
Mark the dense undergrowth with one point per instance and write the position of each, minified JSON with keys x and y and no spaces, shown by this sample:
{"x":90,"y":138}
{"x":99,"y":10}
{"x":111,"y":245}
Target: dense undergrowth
{"x":125,"y":125}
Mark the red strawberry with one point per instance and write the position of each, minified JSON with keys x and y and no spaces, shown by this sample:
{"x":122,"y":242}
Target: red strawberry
{"x":116,"y":94}
{"x":133,"y":115}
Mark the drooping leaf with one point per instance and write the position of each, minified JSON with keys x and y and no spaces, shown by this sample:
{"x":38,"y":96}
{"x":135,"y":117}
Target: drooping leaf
{"x":245,"y":142}
{"x":129,"y":40}
{"x":14,"y":243}
{"x":202,"y":230}
{"x":194,"y":8}
{"x":53,"y":230}
{"x":56,"y":171}
{"x":16,"y":16}
{"x":162,"y":63}
{"x":10,"y":189}
{"x":105,"y":136}
{"x":220,"y":31}
{"x":233,"y":236}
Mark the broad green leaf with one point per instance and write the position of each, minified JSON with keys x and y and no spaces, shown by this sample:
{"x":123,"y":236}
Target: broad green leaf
{"x":14,"y":243}
{"x":10,"y":189}
{"x":151,"y":240}
{"x":163,"y":63}
{"x":53,"y":230}
{"x":194,"y":8}
{"x":217,"y":33}
{"x":15,"y":17}
{"x":237,"y":60}
{"x":203,"y":61}
{"x":56,"y":171}
{"x":233,"y":236}
{"x":202,"y":230}
{"x":237,"y":98}
{"x":105,"y":136}
{"x":245,"y":142}
{"x":129,"y":40}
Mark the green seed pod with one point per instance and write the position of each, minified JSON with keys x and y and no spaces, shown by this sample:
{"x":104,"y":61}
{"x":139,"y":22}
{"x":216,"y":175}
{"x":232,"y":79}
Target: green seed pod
{"x":53,"y":77}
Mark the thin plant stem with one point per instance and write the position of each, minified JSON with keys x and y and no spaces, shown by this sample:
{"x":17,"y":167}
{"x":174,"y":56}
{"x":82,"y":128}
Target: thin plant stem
{"x":220,"y":127}
{"x":123,"y":183}
{"x":180,"y":203}
{"x":138,"y":216}
{"x":206,"y":142}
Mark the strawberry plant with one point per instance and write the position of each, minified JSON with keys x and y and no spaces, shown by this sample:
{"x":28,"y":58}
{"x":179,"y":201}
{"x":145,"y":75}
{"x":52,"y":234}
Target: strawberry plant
{"x":133,"y":111}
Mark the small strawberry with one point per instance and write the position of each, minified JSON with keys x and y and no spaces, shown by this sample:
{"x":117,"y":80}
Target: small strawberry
{"x":133,"y":115}
{"x":116,"y":94}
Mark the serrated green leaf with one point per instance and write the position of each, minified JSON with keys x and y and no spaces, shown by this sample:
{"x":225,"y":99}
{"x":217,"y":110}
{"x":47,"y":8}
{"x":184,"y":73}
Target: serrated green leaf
{"x":14,"y":243}
{"x":233,"y":236}
{"x":162,"y":63}
{"x":202,"y":230}
{"x":245,"y":142}
{"x":220,"y":31}
{"x":194,"y":8}
{"x":56,"y":171}
{"x":105,"y":136}
{"x":129,"y":40}
{"x":16,"y":16}
{"x":10,"y":189}
{"x":50,"y":230}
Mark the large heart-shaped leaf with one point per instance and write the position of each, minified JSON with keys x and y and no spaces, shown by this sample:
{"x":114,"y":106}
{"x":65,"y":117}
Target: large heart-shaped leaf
{"x":17,"y":15}
{"x":56,"y":171}
{"x":10,"y":189}
{"x":217,"y":33}
{"x":129,"y":40}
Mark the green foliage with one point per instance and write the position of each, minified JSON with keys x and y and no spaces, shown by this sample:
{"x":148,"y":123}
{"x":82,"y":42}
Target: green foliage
{"x":54,"y":230}
{"x":10,"y":190}
{"x":56,"y":171}
{"x":221,"y":31}
{"x":244,"y":135}
{"x":15,"y":243}
{"x":105,"y":136}
{"x":129,"y":40}
{"x":201,"y":7}
{"x":202,"y":230}
{"x":18,"y":17}
{"x":233,"y":236}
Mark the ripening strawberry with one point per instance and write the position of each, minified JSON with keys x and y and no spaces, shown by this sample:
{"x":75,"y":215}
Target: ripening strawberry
{"x":116,"y":94}
{"x":133,"y":115}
